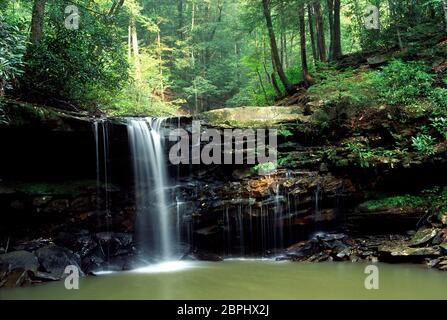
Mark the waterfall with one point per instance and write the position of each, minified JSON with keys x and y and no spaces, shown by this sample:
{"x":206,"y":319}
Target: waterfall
{"x":154,"y":233}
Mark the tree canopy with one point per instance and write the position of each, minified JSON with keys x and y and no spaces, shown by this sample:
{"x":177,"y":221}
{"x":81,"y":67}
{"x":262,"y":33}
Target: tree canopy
{"x":158,"y":57}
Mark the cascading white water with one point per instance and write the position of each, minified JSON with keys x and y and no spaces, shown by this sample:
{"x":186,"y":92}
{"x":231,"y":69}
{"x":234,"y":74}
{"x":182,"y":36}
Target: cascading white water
{"x":153,"y":227}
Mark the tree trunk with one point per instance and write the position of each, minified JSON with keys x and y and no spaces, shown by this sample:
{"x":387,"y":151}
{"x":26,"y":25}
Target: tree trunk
{"x":135,"y":52}
{"x":262,"y":85}
{"x":302,"y":23}
{"x":310,"y":17}
{"x":129,"y":42}
{"x":275,"y":85}
{"x":37,"y":21}
{"x":395,"y":20}
{"x":116,"y":7}
{"x":193,"y":21}
{"x":321,"y":42}
{"x":160,"y":65}
{"x":274,"y":48}
{"x":444,"y":6}
{"x":336,"y":47}
{"x":180,"y":18}
{"x":330,"y":7}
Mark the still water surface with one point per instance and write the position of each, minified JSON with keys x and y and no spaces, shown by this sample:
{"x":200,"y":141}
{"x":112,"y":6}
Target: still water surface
{"x":248,"y":279}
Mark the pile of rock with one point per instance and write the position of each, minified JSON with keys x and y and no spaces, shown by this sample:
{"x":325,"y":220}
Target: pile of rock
{"x":46,"y":260}
{"x":427,"y":245}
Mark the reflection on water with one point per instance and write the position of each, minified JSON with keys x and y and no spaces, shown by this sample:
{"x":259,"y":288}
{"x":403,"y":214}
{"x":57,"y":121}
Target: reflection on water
{"x":248,"y":279}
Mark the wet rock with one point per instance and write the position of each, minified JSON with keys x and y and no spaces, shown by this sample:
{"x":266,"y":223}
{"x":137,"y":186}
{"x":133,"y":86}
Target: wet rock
{"x":441,"y":237}
{"x":125,"y":239}
{"x":431,"y":263}
{"x":240,"y":174}
{"x":443,"y":247}
{"x":345,"y":253}
{"x":423,"y":236}
{"x":57,"y":206}
{"x":407,"y":253}
{"x":203,"y":256}
{"x":20,"y":259}
{"x":329,"y":236}
{"x":44,"y":276}
{"x":113,"y":244}
{"x":80,"y":242}
{"x":55,"y":259}
{"x":93,"y":263}
{"x":16,"y":278}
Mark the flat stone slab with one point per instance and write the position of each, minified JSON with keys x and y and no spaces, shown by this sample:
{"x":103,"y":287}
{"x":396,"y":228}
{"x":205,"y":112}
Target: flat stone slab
{"x":253,"y":116}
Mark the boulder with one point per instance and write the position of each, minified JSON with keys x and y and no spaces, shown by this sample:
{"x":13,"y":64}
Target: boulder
{"x":55,"y":259}
{"x":423,"y":236}
{"x":16,"y":278}
{"x":401,"y":252}
{"x":20,"y":259}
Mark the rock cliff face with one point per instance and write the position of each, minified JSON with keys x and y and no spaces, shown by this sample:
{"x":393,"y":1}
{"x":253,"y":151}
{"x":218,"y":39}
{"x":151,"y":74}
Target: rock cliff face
{"x":52,"y":204}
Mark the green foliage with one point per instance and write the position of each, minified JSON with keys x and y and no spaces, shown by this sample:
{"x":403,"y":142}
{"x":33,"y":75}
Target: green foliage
{"x":82,"y":66}
{"x":434,"y":199}
{"x":424,"y":144}
{"x":287,"y":162}
{"x":401,"y":83}
{"x":264,"y":168}
{"x":12,"y":49}
{"x":440,"y":124}
{"x":362,"y":154}
{"x":407,"y":200}
{"x":347,"y":85}
{"x":284,"y":131}
{"x":438,"y":97}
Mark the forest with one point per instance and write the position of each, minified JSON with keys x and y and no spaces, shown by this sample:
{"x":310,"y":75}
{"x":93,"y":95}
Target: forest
{"x":157,"y":57}
{"x":118,"y":179}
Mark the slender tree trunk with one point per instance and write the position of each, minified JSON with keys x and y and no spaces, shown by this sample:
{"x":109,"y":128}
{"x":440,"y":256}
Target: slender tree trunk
{"x":129,"y":42}
{"x":160,"y":65}
{"x":180,"y":18}
{"x":275,"y":85}
{"x":281,"y":32}
{"x":321,"y":41}
{"x":444,"y":6}
{"x":274,"y":48}
{"x":264,"y":55}
{"x":193,"y":22}
{"x":302,"y":24}
{"x":330,"y":7}
{"x":116,"y":7}
{"x":135,"y":49}
{"x":37,"y":21}
{"x":336,"y":47}
{"x":262,"y":85}
{"x":310,"y":17}
{"x":395,"y":20}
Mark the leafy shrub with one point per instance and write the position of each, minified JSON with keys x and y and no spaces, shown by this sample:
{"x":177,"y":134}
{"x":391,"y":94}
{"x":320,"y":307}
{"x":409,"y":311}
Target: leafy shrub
{"x":438,"y":97}
{"x":401,"y":83}
{"x":348,"y":86}
{"x":424,"y":144}
{"x":81,"y":66}
{"x":396,"y":202}
{"x":12,"y":50}
{"x":440,"y":124}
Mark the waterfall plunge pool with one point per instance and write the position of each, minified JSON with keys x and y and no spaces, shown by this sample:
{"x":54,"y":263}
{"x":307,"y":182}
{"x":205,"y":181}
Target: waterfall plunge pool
{"x":248,"y":279}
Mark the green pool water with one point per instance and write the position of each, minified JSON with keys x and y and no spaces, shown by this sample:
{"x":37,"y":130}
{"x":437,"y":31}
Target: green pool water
{"x":248,"y":279}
